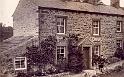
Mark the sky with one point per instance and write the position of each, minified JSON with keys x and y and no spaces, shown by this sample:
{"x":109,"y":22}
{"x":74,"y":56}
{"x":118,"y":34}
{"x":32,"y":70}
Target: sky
{"x":7,"y":7}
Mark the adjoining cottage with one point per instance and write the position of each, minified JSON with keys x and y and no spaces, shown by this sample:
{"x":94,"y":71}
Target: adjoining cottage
{"x":100,"y":26}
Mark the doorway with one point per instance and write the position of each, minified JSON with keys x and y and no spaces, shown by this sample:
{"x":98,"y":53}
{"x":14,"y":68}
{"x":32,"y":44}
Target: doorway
{"x":86,"y":57}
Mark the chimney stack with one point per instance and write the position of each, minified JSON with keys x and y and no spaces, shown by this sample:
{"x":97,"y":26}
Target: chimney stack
{"x":94,"y":2}
{"x":115,"y":3}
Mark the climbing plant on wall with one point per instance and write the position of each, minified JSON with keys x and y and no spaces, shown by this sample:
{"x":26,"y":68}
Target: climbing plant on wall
{"x":74,"y":57}
{"x":44,"y":54}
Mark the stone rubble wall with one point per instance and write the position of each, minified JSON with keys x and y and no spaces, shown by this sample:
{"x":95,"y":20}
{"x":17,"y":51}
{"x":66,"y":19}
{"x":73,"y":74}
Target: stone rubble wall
{"x":81,"y":23}
{"x":7,"y":56}
{"x":25,"y":19}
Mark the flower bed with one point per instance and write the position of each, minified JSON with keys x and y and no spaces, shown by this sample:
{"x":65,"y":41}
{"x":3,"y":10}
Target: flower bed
{"x":112,"y":68}
{"x":56,"y":75}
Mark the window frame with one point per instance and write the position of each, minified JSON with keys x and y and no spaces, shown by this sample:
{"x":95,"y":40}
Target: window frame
{"x":65,"y":19}
{"x":97,"y":51}
{"x":98,"y":24}
{"x":60,"y":51}
{"x":121,"y":43}
{"x":120,"y":26}
{"x":19,"y":59}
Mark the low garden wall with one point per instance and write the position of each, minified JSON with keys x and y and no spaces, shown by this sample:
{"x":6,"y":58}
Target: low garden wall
{"x":114,"y":65}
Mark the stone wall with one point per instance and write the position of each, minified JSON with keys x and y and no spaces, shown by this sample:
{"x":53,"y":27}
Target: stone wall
{"x":25,"y":19}
{"x":81,"y":23}
{"x":14,"y":47}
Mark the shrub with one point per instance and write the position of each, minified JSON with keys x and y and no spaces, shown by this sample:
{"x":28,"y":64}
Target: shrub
{"x":111,"y":70}
{"x":74,"y":57}
{"x":42,"y":55}
{"x":119,"y":53}
{"x":21,"y":75}
{"x":94,"y":76}
{"x":30,"y":74}
{"x":118,"y":68}
{"x":39,"y":73}
{"x":62,"y":65}
{"x":122,"y":65}
{"x":50,"y":69}
{"x":113,"y":59}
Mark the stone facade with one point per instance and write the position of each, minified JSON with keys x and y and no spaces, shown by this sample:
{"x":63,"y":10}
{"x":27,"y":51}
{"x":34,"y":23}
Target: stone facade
{"x":25,"y":19}
{"x":81,"y":23}
{"x":35,"y":16}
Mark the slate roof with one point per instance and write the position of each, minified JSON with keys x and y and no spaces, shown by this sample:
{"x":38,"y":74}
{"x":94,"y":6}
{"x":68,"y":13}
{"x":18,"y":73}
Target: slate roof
{"x":79,"y":6}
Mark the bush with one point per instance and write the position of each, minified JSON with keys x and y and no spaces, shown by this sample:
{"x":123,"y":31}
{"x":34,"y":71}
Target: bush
{"x":111,"y":70}
{"x":113,"y":60}
{"x":122,"y":65}
{"x":118,"y":68}
{"x":119,"y":53}
{"x":75,"y":56}
{"x":62,"y":65}
{"x":30,"y":74}
{"x":50,"y":69}
{"x":94,"y":76}
{"x":39,"y":73}
{"x":22,"y":75}
{"x":44,"y":54}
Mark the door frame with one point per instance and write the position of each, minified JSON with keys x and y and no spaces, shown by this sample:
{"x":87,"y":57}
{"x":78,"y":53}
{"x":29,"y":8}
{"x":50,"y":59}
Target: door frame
{"x":90,"y":54}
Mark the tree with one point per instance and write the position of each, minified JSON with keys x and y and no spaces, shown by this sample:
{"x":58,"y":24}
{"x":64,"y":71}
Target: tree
{"x":75,"y":56}
{"x":1,"y":32}
{"x":5,"y":32}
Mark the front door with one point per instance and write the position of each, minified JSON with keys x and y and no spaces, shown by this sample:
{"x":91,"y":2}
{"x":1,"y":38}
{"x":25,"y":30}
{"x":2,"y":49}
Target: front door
{"x":86,"y":57}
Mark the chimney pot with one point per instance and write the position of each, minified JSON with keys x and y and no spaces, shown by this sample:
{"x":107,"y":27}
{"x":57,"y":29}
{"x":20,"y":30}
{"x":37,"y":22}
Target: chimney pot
{"x":115,"y":3}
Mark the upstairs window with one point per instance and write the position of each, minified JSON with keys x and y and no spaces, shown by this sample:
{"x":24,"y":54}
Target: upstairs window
{"x":96,"y":28}
{"x":61,"y":22}
{"x":60,"y":52}
{"x":119,"y":26}
{"x":20,"y":63}
{"x":119,"y":43}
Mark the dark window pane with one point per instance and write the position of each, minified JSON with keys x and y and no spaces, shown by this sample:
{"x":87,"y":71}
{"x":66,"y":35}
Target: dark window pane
{"x":22,"y":63}
{"x":62,"y":21}
{"x":118,"y":29}
{"x":62,"y":55}
{"x":62,"y":50}
{"x":58,"y":30}
{"x":61,"y":29}
{"x":95,"y":31}
{"x":58,"y":56}
{"x":58,"y":23}
{"x":17,"y":64}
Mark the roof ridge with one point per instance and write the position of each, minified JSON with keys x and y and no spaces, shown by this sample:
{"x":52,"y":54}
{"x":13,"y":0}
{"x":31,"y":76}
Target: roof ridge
{"x":79,"y":6}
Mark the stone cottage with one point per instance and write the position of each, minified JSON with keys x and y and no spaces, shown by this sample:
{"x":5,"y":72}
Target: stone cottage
{"x":100,"y":26}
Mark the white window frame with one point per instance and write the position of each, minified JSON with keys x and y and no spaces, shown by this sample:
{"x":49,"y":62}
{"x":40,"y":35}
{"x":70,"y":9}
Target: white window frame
{"x":60,"y":51}
{"x":98,"y":27}
{"x":119,"y":24}
{"x":120,"y":43}
{"x":98,"y":51}
{"x":60,"y":25}
{"x":19,"y":59}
